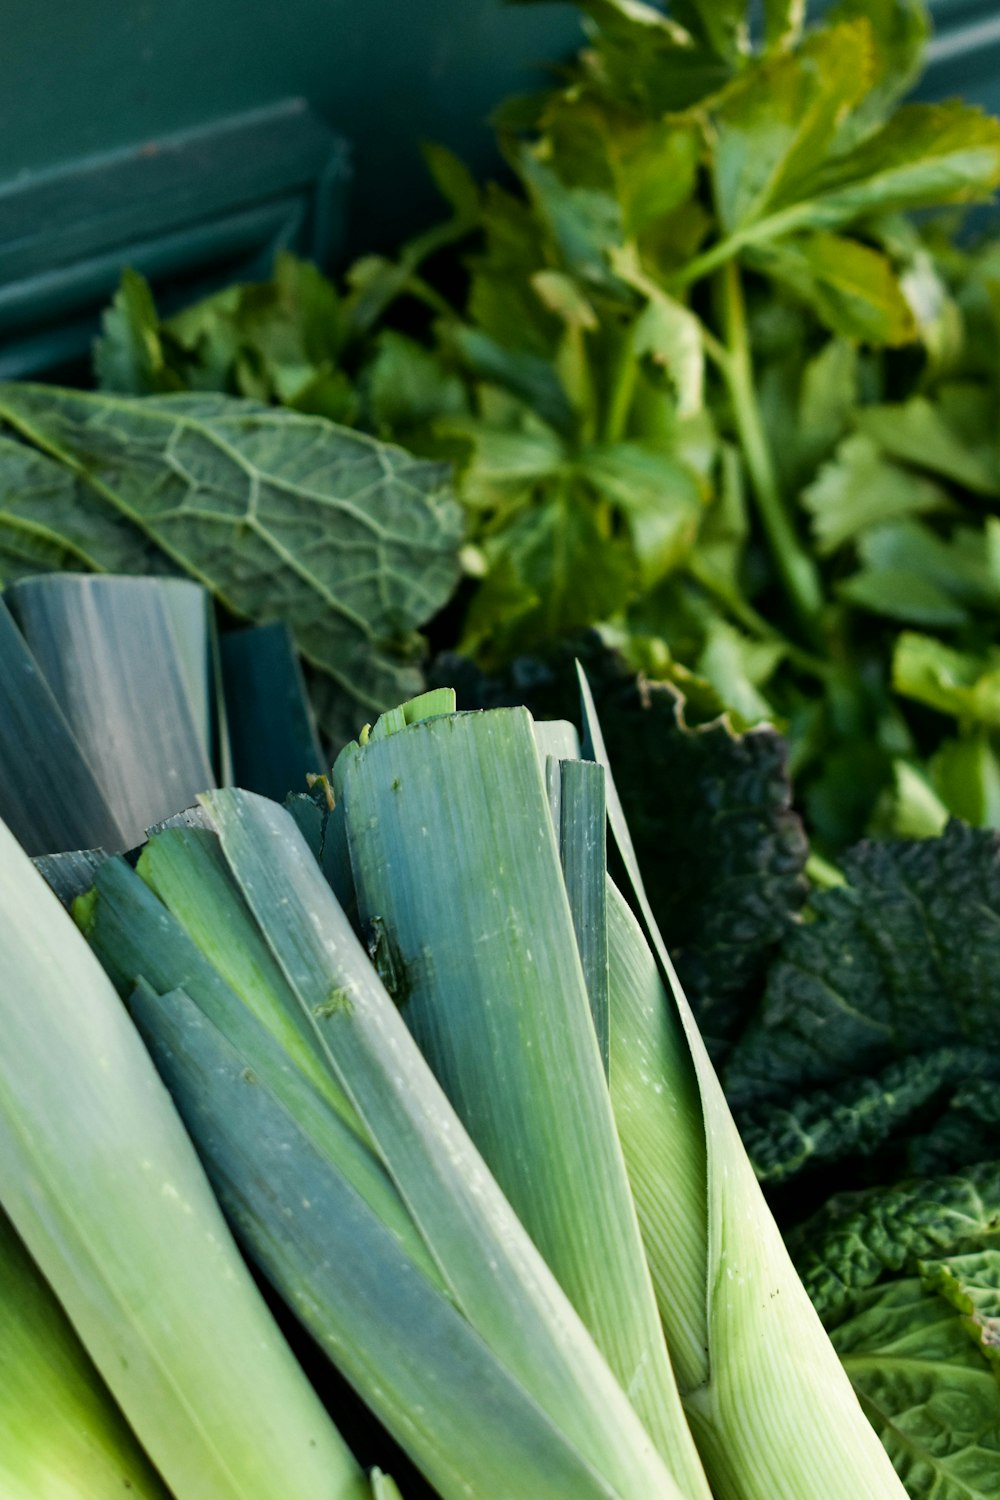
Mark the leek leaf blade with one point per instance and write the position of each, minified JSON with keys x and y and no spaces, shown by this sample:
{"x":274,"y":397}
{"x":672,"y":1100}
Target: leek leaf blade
{"x":352,"y":1283}
{"x":776,"y":1418}
{"x":128,"y":686}
{"x":103,"y":1186}
{"x":49,"y":794}
{"x":492,"y":1269}
{"x":506,"y":1029}
{"x":60,"y":1432}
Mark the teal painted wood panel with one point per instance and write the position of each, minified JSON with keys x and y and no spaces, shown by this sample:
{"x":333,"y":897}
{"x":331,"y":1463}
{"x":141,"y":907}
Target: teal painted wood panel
{"x":194,"y":138}
{"x":964,"y":55}
{"x":83,"y":77}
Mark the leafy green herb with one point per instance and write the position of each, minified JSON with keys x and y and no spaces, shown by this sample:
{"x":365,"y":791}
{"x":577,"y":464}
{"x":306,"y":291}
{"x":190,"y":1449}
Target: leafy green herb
{"x":703,"y":381}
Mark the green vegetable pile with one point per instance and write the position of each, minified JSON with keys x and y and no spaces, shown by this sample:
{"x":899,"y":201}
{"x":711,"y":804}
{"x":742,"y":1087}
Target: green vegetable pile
{"x":707,"y":382}
{"x":439,"y":909}
{"x":391,"y":1116}
{"x":412,"y":1136}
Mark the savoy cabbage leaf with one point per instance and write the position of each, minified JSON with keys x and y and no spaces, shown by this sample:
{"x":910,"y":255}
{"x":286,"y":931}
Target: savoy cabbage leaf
{"x":907,"y":1282}
{"x":281,"y":515}
{"x":901,"y":960}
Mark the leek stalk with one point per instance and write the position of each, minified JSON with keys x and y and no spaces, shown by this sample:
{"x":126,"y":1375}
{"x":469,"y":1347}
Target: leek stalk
{"x":104,"y":1187}
{"x":487,"y":1315}
{"x":61,"y":1435}
{"x":770,"y":1404}
{"x":491,"y":983}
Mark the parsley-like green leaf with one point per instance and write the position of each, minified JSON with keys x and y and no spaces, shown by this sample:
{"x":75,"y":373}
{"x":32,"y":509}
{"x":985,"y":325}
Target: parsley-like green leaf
{"x":953,"y":682}
{"x":853,"y":289}
{"x":860,"y":488}
{"x":918,"y":433}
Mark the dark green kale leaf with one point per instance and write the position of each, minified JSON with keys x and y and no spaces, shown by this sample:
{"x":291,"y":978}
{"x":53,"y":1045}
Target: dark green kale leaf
{"x":926,"y":1113}
{"x":900,"y":960}
{"x":968,"y":1130}
{"x":858,"y":1240}
{"x":875,"y":1052}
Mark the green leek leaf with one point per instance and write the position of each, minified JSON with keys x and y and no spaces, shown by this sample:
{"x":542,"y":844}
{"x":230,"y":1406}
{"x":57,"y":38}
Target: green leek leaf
{"x":61,"y":1435}
{"x":503,"y":1032}
{"x":581,"y":825}
{"x":492,"y":1269}
{"x":272,"y":730}
{"x":112,"y":655}
{"x":49,"y":793}
{"x":104,"y":1188}
{"x":133,"y":934}
{"x":395,"y":1334}
{"x":772,"y":1410}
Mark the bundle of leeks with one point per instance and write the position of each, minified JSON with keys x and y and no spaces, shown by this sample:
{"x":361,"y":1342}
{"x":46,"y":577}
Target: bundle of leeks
{"x":104,"y":1189}
{"x":543,"y":1285}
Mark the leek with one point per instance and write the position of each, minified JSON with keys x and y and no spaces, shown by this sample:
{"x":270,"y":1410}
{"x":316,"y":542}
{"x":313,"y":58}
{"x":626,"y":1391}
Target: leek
{"x":392,"y":1332}
{"x":61,"y":1435}
{"x":132,"y":652}
{"x":125,"y":685}
{"x":485,"y":1315}
{"x":472,"y":848}
{"x":491,"y":983}
{"x":770,"y":1404}
{"x":104,"y":1188}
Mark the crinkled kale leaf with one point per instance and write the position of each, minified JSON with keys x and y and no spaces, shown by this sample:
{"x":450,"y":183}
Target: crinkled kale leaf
{"x":907,"y":1282}
{"x":877,"y":1036}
